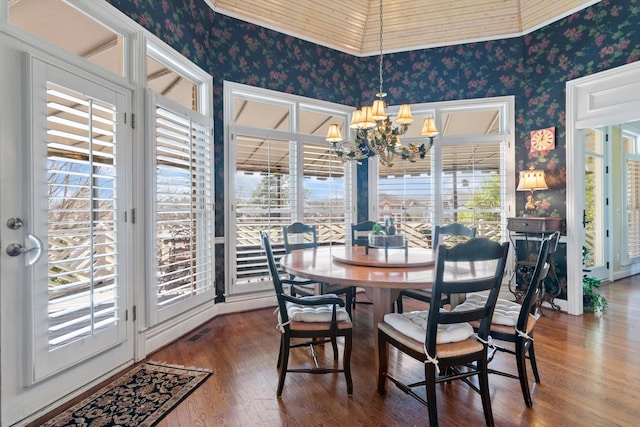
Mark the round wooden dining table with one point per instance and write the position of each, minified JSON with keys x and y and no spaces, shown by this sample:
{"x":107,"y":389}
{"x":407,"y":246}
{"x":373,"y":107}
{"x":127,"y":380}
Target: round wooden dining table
{"x":381,"y":272}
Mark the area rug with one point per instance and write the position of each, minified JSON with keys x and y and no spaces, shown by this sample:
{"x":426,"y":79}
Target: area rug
{"x":141,"y":397}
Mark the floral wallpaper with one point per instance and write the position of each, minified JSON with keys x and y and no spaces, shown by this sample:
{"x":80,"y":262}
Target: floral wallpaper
{"x":534,"y":68}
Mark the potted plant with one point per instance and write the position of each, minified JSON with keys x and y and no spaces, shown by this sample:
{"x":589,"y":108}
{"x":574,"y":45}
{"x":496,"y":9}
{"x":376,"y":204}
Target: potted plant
{"x":376,"y":229}
{"x":592,"y":300}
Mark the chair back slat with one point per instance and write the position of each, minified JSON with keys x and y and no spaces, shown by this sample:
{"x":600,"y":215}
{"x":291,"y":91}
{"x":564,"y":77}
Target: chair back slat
{"x":359,"y":233}
{"x":275,"y":276}
{"x":299,"y":236}
{"x":456,"y":232}
{"x":486,"y":261}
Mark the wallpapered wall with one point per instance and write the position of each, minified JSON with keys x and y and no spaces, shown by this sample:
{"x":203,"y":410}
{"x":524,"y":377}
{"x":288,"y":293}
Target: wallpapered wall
{"x":534,"y":68}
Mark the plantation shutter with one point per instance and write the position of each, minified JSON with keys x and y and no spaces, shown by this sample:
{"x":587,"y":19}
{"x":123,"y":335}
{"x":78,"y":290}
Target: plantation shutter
{"x":405,"y":194}
{"x":264,"y":200}
{"x":183,"y":208}
{"x":473,"y":189}
{"x":633,"y":207}
{"x":327,"y":198}
{"x":82,"y":190}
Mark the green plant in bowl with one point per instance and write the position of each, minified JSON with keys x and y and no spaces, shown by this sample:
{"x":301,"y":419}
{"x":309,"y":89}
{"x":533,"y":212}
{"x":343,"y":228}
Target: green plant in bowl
{"x":376,"y":229}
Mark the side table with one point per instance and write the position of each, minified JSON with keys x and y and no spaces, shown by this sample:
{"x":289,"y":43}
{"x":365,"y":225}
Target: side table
{"x":532,"y":230}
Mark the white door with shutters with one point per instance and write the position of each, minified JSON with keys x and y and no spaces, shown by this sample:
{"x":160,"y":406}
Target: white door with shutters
{"x":66,"y":292}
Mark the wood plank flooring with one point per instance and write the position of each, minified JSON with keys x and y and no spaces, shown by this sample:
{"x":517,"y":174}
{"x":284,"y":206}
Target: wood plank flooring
{"x":588,"y":366}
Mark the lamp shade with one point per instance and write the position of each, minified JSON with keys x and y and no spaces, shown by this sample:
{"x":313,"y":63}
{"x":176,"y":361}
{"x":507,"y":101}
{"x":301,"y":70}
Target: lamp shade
{"x":366,"y":119}
{"x":355,"y":119}
{"x":333,"y":134}
{"x":532,"y":179}
{"x":404,"y":115}
{"x":377,"y":111}
{"x":429,"y":128}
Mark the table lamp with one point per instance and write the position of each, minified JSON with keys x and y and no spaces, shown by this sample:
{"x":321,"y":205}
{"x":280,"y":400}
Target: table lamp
{"x":531,"y":180}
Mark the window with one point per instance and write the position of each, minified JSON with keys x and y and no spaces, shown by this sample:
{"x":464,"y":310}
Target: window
{"x":183,"y":207}
{"x":282,"y":171}
{"x":63,"y":25}
{"x":180,"y":203}
{"x":462,"y":179}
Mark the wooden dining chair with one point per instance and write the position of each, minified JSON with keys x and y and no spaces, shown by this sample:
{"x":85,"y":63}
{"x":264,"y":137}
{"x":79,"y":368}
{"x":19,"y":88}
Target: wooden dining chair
{"x":360,"y":237}
{"x":443,"y":340}
{"x":449,"y":234}
{"x":514,"y":323}
{"x":316,"y":319}
{"x":298,"y":236}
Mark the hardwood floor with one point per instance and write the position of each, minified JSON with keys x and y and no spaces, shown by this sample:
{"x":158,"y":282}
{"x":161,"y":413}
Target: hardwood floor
{"x":588,"y":367}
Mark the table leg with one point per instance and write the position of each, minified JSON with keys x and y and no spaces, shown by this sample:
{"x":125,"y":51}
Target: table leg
{"x":383,"y":299}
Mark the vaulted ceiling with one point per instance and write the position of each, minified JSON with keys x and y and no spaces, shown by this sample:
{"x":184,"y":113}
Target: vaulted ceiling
{"x":353,"y":26}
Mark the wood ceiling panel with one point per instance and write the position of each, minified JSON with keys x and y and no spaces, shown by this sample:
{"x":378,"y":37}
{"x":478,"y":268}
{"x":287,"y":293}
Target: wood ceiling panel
{"x":535,"y":13}
{"x":353,"y":26}
{"x":321,"y":22}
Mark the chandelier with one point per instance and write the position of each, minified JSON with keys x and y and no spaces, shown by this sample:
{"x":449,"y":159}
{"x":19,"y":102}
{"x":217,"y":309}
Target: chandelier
{"x":376,"y":134}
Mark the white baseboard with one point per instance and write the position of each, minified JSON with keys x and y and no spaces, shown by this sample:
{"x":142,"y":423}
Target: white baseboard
{"x":157,"y":337}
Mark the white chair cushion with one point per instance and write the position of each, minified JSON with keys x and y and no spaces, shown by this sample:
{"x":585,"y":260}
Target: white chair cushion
{"x":316,"y":313}
{"x":506,"y":312}
{"x":413,"y":325}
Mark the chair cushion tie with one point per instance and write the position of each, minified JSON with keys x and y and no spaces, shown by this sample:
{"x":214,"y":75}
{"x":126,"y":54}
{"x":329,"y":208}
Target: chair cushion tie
{"x":430,"y":359}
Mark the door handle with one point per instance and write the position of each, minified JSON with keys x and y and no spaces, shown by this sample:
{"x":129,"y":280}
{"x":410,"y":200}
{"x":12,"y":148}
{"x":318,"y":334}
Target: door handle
{"x":33,"y":254}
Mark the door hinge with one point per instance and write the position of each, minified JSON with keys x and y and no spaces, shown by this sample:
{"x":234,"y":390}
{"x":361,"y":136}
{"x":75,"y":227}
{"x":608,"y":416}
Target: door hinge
{"x":607,"y":265}
{"x":133,"y":216}
{"x":133,"y":121}
{"x":135,"y":313}
{"x":607,"y":233}
{"x":126,"y":315}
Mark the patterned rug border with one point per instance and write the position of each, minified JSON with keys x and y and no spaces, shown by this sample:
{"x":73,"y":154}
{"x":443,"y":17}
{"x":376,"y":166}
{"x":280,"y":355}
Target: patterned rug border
{"x":199,"y":375}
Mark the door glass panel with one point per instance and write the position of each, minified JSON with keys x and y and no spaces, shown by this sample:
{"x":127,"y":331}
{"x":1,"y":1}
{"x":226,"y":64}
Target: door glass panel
{"x":82,"y":245}
{"x":594,"y":198}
